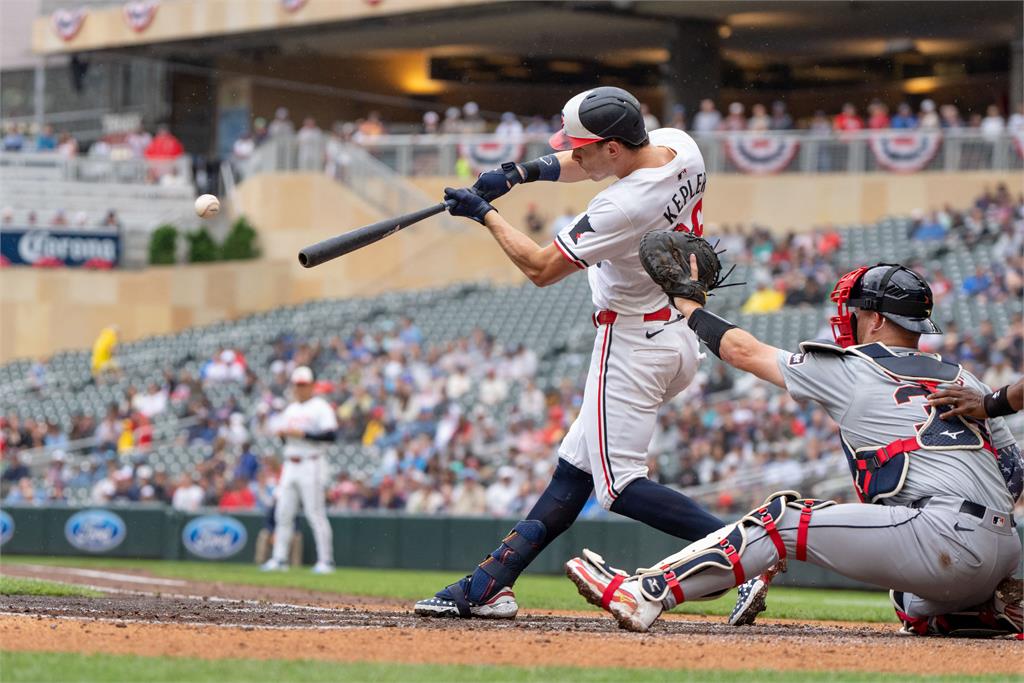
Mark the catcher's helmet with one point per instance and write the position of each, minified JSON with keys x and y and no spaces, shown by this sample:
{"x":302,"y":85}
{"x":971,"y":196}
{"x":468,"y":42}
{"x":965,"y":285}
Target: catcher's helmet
{"x":600,"y":114}
{"x":898,"y":293}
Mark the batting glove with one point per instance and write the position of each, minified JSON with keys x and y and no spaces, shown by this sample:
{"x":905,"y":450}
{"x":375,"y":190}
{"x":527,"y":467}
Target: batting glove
{"x":497,"y":182}
{"x":465,"y":202}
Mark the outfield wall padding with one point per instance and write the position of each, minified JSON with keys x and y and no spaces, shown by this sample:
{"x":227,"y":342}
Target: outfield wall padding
{"x":392,"y":541}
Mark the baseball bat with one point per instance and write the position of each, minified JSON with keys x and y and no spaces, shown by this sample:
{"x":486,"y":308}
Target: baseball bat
{"x":339,"y":245}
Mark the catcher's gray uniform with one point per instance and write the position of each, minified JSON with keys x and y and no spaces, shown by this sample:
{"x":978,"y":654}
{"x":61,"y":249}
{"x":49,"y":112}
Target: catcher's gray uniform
{"x":941,"y":529}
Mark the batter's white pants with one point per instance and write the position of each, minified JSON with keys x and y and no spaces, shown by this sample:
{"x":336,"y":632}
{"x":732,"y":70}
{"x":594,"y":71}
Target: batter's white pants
{"x":636,"y":366}
{"x":305,"y":481}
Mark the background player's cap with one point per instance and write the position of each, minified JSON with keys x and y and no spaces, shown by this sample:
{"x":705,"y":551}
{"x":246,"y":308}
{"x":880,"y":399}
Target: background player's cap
{"x":600,"y":114}
{"x":302,"y":375}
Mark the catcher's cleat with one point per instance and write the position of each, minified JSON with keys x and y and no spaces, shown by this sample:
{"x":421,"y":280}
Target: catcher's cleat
{"x":1008,"y":603}
{"x":611,"y":590}
{"x":452,"y":602}
{"x":750,"y":602}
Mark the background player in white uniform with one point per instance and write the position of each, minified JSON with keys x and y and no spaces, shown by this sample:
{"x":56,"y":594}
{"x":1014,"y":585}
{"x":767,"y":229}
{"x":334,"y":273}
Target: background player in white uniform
{"x":305,"y":425}
{"x":642,"y":354}
{"x":939,"y":532}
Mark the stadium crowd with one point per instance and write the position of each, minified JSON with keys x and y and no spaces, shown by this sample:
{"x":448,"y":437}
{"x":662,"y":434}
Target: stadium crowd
{"x":463,"y":427}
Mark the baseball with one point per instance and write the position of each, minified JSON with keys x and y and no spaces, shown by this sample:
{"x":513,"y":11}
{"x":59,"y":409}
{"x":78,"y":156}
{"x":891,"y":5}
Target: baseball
{"x":207,"y":206}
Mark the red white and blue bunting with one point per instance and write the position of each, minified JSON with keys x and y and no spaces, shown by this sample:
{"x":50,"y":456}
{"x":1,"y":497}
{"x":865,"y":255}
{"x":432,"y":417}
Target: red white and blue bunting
{"x":905,"y":151}
{"x":758,"y":153}
{"x":483,"y":156}
{"x":140,"y":14}
{"x":68,"y":22}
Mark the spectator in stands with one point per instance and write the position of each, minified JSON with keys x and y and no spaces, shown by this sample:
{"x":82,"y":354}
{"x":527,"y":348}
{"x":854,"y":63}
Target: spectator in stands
{"x":929,"y":117}
{"x":247,"y":467}
{"x":452,"y":121}
{"x":67,"y":146}
{"x":1015,"y":123}
{"x":510,"y":129}
{"x":493,"y":389}
{"x":537,"y":126}
{"x":387,"y":496}
{"x":765,"y":299}
{"x":111,"y":221}
{"x":759,"y":119}
{"x":225,"y":366}
{"x":14,"y":138}
{"x":949,"y":116}
{"x":469,"y":497}
{"x":848,"y":120}
{"x":243,"y":149}
{"x":164,"y":146}
{"x":60,"y":219}
{"x":678,"y":121}
{"x":103,"y":350}
{"x":820,"y":122}
{"x":904,"y":117}
{"x":878,"y":115}
{"x":16,"y":469}
{"x":25,"y":493}
{"x":7,"y":216}
{"x":472,"y":122}
{"x":651,"y":121}
{"x":502,"y":493}
{"x":708,"y":118}
{"x":431,"y":123}
{"x":780,"y":120}
{"x":188,"y":496}
{"x":238,"y":496}
{"x":310,"y":140}
{"x":46,"y":141}
{"x":993,"y":125}
{"x":735,"y":121}
{"x":928,"y":228}
{"x":138,"y":141}
{"x":978,"y":283}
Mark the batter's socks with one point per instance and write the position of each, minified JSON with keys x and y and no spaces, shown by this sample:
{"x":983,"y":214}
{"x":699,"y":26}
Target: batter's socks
{"x":554,"y":512}
{"x":666,"y":510}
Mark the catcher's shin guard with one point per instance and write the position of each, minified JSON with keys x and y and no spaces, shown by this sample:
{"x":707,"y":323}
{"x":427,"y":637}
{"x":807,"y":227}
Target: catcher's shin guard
{"x":723,"y":549}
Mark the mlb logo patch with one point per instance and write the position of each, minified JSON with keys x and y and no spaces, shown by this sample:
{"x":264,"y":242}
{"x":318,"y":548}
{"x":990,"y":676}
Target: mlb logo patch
{"x":998,"y":520}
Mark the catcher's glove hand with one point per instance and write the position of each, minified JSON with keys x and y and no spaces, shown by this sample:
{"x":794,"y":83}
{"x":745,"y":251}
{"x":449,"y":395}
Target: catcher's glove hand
{"x":666,"y":254}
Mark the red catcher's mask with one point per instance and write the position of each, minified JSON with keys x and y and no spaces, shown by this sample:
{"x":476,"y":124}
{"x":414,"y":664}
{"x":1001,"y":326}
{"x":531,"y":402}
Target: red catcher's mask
{"x":842,"y":324}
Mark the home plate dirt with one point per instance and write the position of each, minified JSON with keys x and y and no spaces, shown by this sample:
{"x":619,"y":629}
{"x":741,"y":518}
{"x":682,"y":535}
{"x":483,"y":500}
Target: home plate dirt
{"x":338,"y":628}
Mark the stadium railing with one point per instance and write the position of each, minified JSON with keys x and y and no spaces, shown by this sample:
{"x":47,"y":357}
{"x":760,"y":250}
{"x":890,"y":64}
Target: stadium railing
{"x":793,"y":151}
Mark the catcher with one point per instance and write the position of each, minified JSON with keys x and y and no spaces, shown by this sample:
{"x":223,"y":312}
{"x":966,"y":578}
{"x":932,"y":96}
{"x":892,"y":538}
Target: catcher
{"x":934,"y":524}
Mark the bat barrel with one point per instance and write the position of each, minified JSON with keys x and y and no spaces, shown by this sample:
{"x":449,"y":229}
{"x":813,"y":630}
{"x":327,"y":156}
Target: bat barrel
{"x":339,"y":245}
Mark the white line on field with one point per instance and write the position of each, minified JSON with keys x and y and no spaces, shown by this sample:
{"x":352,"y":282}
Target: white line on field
{"x":317,"y":626}
{"x":110,"y":576}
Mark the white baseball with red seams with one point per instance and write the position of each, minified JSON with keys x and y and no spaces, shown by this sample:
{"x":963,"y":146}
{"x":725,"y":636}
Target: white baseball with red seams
{"x":636,"y":364}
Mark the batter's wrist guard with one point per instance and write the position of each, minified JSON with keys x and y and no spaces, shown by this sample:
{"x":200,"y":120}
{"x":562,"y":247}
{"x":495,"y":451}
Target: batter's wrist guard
{"x":710,"y":328}
{"x":546,"y":167}
{"x":997,"y":404}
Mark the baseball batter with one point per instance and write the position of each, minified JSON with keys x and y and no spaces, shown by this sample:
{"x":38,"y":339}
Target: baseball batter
{"x":307,"y":423}
{"x":936,"y":526}
{"x":643,"y":355}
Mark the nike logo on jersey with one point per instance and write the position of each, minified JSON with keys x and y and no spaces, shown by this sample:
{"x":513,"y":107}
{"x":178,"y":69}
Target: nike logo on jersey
{"x":651,"y":334}
{"x":956,"y":525}
{"x":952,"y":435}
{"x":582,"y":226}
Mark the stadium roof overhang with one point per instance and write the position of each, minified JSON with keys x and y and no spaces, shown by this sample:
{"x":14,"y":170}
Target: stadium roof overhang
{"x":749,"y":29}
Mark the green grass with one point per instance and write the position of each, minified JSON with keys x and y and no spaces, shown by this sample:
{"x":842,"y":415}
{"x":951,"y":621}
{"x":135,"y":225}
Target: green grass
{"x":533,"y":591}
{"x":17,"y":667}
{"x":13,"y":585}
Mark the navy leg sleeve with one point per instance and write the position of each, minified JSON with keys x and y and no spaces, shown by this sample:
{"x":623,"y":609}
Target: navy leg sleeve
{"x":666,"y":510}
{"x":554,"y":512}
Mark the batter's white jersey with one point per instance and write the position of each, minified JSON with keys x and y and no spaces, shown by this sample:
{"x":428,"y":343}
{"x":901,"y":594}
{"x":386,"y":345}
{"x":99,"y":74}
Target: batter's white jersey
{"x":645,"y":353}
{"x":313,"y":416}
{"x":608,"y":235}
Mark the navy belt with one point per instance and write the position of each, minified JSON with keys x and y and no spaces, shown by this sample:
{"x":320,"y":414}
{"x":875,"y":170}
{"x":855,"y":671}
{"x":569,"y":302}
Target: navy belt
{"x":967,"y":508}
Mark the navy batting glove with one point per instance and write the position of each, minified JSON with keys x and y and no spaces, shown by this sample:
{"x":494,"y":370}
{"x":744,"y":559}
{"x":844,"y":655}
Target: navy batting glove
{"x":467,"y":203}
{"x":497,"y":182}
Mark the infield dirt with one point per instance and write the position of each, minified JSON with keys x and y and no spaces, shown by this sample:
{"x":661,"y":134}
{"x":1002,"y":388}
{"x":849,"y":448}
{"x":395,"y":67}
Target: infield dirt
{"x":231,"y":621}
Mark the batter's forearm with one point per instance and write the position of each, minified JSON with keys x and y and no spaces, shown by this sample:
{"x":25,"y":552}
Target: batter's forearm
{"x":542,"y":266}
{"x":1016,"y":395}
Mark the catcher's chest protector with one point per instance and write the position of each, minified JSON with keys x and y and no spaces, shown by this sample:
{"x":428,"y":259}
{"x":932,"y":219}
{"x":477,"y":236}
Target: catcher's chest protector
{"x":879,"y":471}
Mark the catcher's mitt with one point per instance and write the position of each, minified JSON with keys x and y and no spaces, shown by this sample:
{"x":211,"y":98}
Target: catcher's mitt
{"x":665,"y":255}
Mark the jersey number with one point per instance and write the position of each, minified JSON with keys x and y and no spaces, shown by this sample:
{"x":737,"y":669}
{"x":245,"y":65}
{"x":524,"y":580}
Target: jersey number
{"x":696,"y":220}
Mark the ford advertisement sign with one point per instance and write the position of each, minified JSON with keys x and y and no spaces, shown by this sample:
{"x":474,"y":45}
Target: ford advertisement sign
{"x":31,"y":247}
{"x":95,"y":531}
{"x":6,"y":527}
{"x":214,"y":537}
